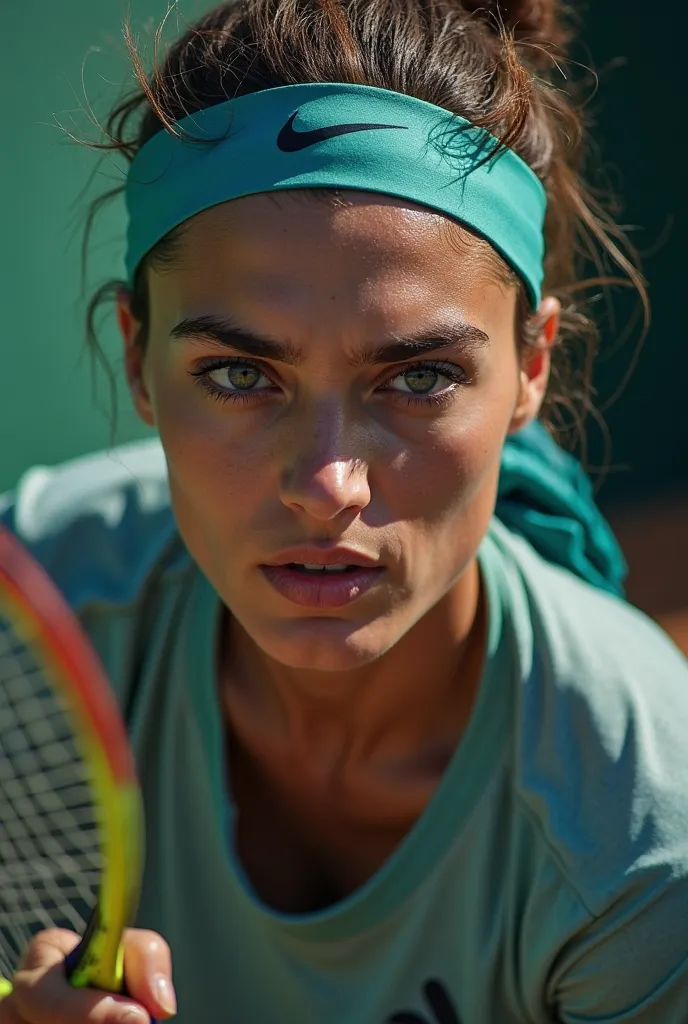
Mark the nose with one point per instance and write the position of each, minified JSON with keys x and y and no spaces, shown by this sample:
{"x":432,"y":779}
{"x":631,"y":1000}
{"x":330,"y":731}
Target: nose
{"x":326,"y":472}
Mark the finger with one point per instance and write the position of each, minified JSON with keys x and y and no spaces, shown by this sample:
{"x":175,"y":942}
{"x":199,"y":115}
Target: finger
{"x":48,"y":998}
{"x":43,"y":995}
{"x":48,"y":948}
{"x":148,"y":972}
{"x":49,"y":945}
{"x":9,"y":1013}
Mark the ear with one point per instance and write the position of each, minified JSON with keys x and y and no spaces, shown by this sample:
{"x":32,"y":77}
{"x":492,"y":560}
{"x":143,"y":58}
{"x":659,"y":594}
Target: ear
{"x":134,"y":357}
{"x":535,"y":366}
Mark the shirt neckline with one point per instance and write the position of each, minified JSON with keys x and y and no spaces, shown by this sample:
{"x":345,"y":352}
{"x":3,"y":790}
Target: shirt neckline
{"x":477,"y":756}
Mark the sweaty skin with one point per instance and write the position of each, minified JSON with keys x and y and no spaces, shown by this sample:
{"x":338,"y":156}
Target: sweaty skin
{"x":341,"y":720}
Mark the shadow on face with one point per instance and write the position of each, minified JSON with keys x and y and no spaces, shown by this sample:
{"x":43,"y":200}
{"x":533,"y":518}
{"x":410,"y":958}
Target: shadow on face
{"x":341,"y":371}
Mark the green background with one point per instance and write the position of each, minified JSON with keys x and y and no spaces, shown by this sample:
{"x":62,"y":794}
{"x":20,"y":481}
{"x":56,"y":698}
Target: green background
{"x":48,"y":410}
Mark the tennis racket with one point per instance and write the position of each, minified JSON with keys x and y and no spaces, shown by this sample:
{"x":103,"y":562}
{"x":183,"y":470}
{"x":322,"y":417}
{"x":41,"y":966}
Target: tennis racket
{"x":71,"y":821}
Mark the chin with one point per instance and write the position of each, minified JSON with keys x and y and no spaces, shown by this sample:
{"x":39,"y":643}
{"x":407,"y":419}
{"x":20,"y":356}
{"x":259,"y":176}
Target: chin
{"x":324,"y":644}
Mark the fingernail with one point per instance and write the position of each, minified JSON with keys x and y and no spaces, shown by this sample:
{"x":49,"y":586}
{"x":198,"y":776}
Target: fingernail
{"x":164,"y":993}
{"x":134,"y":1017}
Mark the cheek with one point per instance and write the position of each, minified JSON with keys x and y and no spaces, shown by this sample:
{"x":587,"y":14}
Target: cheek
{"x":214,"y":480}
{"x":218,"y":499}
{"x":212,"y":466}
{"x":440,"y":482}
{"x":459,"y":457}
{"x":203,"y":446}
{"x":446,"y":496}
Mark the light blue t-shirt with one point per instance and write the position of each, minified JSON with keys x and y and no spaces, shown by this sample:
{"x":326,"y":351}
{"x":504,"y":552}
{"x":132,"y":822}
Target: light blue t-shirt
{"x":547,"y":879}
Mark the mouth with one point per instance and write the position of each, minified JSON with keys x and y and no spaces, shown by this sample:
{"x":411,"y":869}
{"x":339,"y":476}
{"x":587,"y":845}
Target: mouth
{"x":310,"y":585}
{"x":306,"y":567}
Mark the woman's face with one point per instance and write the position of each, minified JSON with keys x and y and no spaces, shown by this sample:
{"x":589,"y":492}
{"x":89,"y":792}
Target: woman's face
{"x":383,"y":380}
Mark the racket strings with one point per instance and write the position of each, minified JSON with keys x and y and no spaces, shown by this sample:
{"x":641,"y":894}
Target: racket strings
{"x":50,"y":860}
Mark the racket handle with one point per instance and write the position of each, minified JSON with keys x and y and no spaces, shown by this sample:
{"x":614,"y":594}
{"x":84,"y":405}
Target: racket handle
{"x":73,"y":960}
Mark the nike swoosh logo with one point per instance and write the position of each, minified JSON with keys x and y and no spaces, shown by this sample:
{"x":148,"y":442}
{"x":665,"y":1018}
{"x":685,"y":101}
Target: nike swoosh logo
{"x":290,"y":141}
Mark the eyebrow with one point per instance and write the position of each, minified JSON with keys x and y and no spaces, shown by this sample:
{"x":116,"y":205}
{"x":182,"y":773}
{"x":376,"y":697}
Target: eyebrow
{"x":222,"y":331}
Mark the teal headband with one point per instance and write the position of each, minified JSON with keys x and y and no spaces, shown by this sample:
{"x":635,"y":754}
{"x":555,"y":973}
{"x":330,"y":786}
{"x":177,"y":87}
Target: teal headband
{"x":339,"y":136}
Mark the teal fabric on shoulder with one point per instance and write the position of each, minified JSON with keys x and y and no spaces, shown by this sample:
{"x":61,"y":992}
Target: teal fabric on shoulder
{"x":545,"y":496}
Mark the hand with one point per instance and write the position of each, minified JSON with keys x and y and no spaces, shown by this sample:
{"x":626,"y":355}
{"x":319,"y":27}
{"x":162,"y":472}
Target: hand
{"x":42,"y":994}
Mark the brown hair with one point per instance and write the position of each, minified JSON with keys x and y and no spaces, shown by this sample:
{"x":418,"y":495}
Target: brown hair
{"x":494,"y":62}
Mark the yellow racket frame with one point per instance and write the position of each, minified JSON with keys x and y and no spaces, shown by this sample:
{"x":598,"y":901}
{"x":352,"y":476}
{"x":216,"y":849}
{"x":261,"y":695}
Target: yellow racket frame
{"x":44,"y":622}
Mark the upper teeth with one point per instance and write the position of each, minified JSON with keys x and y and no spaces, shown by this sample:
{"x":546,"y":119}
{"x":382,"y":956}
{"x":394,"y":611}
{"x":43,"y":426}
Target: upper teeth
{"x":324,"y":568}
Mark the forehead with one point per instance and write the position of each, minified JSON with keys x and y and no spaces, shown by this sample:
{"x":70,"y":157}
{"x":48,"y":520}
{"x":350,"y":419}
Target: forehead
{"x":317,"y":256}
{"x":378,"y":226}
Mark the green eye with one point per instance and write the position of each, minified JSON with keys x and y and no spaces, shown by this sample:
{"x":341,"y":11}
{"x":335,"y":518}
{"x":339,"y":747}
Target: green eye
{"x":243,"y":377}
{"x":421,"y":381}
{"x":427,"y":383}
{"x":232,"y":380}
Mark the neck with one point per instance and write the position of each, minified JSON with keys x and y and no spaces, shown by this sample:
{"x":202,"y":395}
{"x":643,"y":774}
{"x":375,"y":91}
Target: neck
{"x":402,"y":713}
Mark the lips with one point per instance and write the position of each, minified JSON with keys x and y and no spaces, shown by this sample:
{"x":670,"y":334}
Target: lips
{"x":325,"y":569}
{"x":312,"y":554}
{"x":322,"y":589}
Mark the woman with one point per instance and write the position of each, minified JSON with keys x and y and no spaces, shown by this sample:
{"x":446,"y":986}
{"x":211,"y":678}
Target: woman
{"x":403,"y":760}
